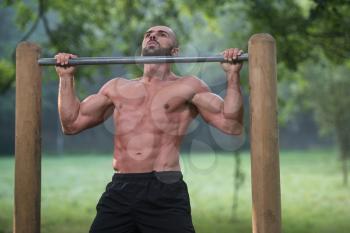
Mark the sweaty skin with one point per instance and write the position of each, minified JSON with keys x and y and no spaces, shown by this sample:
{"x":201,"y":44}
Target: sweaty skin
{"x":151,"y":114}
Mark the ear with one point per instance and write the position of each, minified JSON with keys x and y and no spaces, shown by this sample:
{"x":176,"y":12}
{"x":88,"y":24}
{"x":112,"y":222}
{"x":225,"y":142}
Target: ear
{"x":175,"y":51}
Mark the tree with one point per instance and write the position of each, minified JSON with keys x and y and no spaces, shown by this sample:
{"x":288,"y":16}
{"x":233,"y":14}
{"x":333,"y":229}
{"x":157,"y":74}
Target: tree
{"x":313,"y":44}
{"x":115,"y":27}
{"x":299,"y":27}
{"x":328,"y":96}
{"x":302,"y":28}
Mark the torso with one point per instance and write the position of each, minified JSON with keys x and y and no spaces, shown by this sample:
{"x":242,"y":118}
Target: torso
{"x":150,"y":121}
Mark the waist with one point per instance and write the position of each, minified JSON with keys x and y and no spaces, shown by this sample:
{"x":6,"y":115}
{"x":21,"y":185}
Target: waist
{"x":165,"y":176}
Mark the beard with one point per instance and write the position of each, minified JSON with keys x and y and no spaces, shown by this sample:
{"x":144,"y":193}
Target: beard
{"x":157,"y":51}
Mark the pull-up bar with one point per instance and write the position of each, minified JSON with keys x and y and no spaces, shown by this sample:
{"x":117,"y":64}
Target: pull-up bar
{"x":139,"y":60}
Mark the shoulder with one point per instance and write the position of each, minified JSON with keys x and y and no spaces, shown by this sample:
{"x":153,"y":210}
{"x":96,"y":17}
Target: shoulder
{"x":110,"y":86}
{"x":196,"y":83}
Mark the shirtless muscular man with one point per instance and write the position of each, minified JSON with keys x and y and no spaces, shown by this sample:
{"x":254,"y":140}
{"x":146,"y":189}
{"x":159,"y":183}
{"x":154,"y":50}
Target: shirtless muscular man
{"x":151,"y":115}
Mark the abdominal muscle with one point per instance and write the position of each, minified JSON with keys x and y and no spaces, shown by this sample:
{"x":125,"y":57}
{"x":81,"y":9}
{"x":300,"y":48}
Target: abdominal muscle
{"x":145,"y":152}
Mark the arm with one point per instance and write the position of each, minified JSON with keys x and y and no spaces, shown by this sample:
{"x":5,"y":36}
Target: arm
{"x":76,"y":116}
{"x":227,"y":114}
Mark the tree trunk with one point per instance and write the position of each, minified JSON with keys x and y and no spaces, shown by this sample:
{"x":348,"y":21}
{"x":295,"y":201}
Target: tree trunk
{"x":343,"y":137}
{"x":345,"y":171}
{"x":237,"y":183}
{"x":59,"y":139}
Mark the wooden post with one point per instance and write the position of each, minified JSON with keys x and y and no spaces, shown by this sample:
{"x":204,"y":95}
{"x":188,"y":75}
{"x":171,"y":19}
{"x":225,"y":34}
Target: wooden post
{"x":266,"y":194}
{"x":28,"y":140}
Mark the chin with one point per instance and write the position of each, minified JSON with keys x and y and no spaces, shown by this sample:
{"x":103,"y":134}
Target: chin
{"x":149,"y":54}
{"x":156,"y":52}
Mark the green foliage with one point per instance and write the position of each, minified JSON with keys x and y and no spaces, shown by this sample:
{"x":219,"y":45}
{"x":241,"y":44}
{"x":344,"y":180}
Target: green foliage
{"x":102,"y":28}
{"x":328,"y":95}
{"x":25,"y":14}
{"x":290,"y":92}
{"x":311,"y":37}
{"x":285,"y":21}
{"x":112,"y":27}
{"x":328,"y":27}
{"x":298,"y":34}
{"x":304,"y":30}
{"x":7,"y":71}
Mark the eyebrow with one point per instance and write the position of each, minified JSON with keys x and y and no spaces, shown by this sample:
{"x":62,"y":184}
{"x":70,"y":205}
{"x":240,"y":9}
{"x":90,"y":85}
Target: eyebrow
{"x":150,"y":31}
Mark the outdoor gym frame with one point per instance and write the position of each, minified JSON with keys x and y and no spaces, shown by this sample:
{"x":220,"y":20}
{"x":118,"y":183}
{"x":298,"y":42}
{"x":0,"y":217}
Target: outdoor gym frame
{"x":266,"y":196}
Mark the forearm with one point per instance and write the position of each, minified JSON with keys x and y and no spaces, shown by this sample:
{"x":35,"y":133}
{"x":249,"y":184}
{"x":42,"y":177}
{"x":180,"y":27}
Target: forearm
{"x":233,"y":101}
{"x":68,"y":103}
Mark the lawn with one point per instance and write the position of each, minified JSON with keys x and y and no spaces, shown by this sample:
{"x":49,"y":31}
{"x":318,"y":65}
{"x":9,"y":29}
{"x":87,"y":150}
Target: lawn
{"x":313,"y":198}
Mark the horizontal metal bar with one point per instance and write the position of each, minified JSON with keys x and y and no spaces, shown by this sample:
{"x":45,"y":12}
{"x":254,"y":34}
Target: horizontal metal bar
{"x":137,"y":60}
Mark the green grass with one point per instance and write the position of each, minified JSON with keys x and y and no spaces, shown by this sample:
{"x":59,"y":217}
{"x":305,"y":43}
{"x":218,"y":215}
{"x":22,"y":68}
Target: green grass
{"x":313,"y":198}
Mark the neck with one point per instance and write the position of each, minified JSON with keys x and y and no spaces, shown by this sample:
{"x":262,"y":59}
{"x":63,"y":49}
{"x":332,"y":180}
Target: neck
{"x":156,"y":71}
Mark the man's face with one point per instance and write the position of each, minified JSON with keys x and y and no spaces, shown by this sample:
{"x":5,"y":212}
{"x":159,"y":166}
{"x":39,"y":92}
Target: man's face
{"x":159,"y":41}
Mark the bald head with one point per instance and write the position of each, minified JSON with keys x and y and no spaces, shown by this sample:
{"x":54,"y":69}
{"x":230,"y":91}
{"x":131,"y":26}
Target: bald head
{"x":167,"y":30}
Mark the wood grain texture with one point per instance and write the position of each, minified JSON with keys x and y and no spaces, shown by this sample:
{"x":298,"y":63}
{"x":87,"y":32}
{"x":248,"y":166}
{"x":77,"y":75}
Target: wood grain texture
{"x":266,"y":197}
{"x":28,"y":140}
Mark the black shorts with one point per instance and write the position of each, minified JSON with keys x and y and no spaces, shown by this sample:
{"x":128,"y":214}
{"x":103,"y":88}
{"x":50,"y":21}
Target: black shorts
{"x":154,"y":202}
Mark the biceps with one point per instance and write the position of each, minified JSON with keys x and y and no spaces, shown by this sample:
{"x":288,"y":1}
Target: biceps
{"x":94,"y":110}
{"x":209,"y":105}
{"x":94,"y":105}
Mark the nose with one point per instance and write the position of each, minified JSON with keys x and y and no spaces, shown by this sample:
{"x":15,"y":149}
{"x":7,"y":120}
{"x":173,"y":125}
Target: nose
{"x":152,"y":37}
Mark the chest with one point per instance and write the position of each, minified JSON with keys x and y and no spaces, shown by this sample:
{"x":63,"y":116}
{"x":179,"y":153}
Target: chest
{"x":168,"y":97}
{"x":161,"y":108}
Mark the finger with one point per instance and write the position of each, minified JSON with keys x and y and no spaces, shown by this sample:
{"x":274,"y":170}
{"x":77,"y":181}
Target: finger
{"x":66,"y":58}
{"x":62,"y":58}
{"x":225,"y":55}
{"x":57,"y":58}
{"x":231,"y":53}
{"x":235,"y":53}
